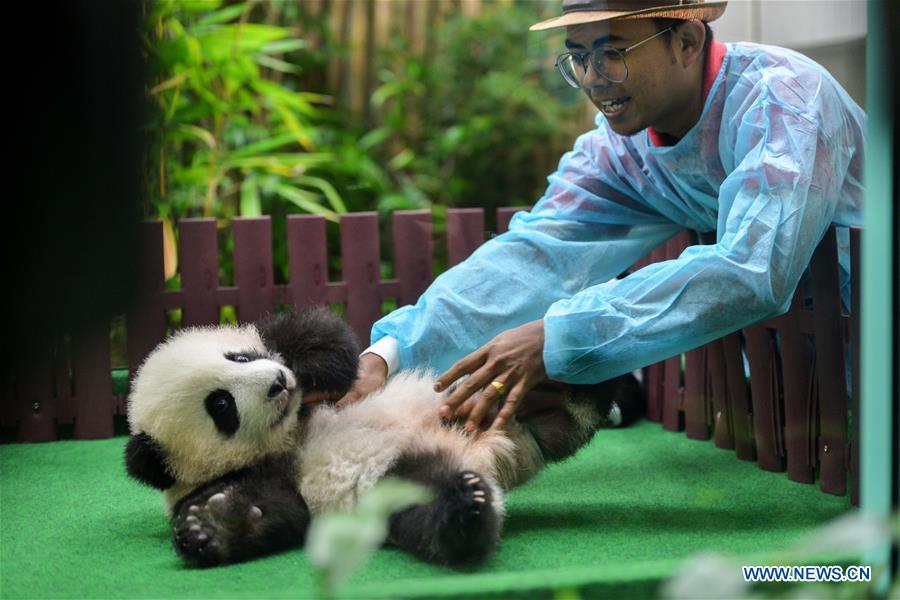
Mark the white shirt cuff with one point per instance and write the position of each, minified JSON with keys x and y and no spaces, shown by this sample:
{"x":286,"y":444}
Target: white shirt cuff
{"x":388,"y":349}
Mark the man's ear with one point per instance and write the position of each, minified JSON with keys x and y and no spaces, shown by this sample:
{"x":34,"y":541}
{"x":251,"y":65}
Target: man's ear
{"x":691,"y":37}
{"x":145,"y":461}
{"x":316,"y":345}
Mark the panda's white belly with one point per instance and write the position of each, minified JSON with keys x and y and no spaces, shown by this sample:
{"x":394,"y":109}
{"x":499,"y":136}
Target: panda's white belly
{"x":343,"y":453}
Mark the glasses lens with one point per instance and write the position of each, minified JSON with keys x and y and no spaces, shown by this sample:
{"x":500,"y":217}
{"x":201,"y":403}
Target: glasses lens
{"x":610,"y":63}
{"x":571,"y":69}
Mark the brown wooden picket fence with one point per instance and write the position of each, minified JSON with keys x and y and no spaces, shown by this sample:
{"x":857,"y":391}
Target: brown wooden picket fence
{"x":793,"y":413}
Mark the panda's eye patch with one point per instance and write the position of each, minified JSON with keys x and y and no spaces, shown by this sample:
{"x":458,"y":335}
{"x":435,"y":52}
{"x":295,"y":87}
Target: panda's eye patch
{"x":243,"y":357}
{"x":220,"y":406}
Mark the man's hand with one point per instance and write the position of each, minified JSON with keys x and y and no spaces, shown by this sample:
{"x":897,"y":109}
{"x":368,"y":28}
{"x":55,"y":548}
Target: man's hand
{"x":507,"y":367}
{"x":371,"y":377}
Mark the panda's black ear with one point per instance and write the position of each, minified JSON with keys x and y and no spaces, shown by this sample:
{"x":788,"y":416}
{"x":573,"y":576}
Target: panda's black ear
{"x":316,"y":345}
{"x":145,"y":461}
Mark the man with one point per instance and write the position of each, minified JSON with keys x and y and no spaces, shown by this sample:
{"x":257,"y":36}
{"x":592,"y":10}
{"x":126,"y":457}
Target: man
{"x":756,"y":143}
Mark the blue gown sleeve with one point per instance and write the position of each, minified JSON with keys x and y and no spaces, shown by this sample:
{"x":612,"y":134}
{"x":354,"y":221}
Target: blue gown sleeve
{"x":789,"y":157}
{"x":587,"y":228}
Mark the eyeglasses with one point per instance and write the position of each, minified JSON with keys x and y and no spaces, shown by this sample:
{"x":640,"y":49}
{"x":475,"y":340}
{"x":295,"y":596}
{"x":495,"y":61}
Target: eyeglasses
{"x":608,"y":62}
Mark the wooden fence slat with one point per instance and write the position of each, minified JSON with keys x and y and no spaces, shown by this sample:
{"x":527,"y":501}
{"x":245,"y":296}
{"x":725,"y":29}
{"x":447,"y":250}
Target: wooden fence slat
{"x":253,"y":270}
{"x":361,"y":258}
{"x":654,"y":379}
{"x":92,"y":376}
{"x":36,"y":404}
{"x":723,"y":431}
{"x":307,"y":260}
{"x":671,"y":394}
{"x":465,"y":232}
{"x":799,"y":407}
{"x":146,"y":321}
{"x":832,"y":446}
{"x":855,"y":268}
{"x":696,"y":404}
{"x":505,"y":215}
{"x":413,"y":249}
{"x":764,"y":396}
{"x":198,"y":260}
{"x":738,"y":397}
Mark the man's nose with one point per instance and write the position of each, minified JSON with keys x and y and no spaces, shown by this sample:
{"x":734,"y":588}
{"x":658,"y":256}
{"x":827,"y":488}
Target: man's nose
{"x":592,"y":80}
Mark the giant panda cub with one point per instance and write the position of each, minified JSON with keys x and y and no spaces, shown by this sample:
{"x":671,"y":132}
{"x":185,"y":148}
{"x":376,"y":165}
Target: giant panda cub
{"x":218,"y":423}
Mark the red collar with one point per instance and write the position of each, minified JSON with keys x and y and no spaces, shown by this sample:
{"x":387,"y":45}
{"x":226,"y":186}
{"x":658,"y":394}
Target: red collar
{"x":714,"y":59}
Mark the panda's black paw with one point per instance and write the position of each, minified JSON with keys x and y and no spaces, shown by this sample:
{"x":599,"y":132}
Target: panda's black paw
{"x":208,"y":526}
{"x":469,"y":523}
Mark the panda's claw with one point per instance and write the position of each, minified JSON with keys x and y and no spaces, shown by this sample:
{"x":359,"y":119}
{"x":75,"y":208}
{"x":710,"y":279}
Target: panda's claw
{"x":255,"y":513}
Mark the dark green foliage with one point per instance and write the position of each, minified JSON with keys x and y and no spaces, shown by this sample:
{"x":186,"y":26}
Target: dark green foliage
{"x":483,"y":118}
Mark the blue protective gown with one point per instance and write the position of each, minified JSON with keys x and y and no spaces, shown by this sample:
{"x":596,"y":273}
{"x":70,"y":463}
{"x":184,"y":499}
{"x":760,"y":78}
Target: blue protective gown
{"x":774,"y":159}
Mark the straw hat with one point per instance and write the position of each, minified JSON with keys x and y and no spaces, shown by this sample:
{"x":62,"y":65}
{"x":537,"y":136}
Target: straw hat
{"x":576,"y":12}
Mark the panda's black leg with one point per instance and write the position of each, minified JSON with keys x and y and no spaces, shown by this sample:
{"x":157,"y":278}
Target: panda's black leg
{"x":460,"y":525}
{"x":562,"y":429}
{"x":243,"y":515}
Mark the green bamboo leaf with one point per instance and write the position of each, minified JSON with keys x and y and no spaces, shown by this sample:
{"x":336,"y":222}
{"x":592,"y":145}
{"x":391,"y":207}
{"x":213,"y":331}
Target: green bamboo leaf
{"x":221,"y":43}
{"x":203,"y":135}
{"x":194,"y":50}
{"x":298,"y":161}
{"x":402,"y":159}
{"x":313,"y":97}
{"x":283,"y":46}
{"x":263,"y":146}
{"x":276,"y":65}
{"x":295,"y":127}
{"x":305,"y":200}
{"x":276,"y":94}
{"x":223,"y":15}
{"x":251,"y":206}
{"x":195,"y":6}
{"x":324,"y":186}
{"x":374,"y":137}
{"x":173,"y":105}
{"x":386,"y":92}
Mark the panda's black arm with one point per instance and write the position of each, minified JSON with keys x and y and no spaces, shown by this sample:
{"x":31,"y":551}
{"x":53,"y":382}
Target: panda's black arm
{"x":316,"y":345}
{"x":246,"y":514}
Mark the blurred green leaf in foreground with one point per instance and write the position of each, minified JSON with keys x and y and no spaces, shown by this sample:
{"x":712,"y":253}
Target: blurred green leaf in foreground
{"x":338,"y":543}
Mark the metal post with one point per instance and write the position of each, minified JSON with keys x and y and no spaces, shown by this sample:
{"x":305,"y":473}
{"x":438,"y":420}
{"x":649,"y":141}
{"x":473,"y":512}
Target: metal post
{"x":878,"y":307}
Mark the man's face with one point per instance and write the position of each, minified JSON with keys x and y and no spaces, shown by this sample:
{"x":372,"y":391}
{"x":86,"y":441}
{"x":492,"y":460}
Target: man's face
{"x":654,"y":85}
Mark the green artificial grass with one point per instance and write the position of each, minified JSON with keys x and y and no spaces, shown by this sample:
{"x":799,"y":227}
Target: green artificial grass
{"x":618,"y":518}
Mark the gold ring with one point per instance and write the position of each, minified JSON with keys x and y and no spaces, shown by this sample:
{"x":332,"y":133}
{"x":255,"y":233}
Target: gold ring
{"x":499,"y":386}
